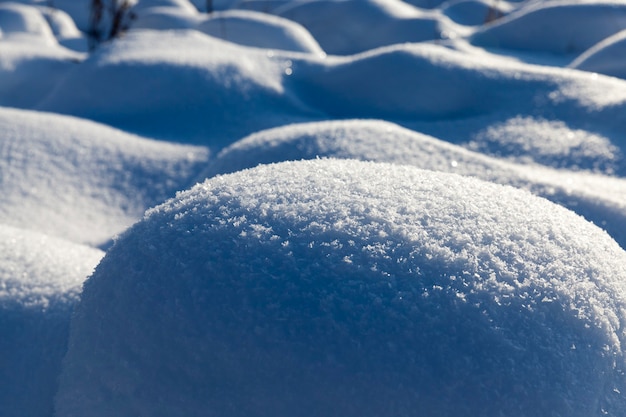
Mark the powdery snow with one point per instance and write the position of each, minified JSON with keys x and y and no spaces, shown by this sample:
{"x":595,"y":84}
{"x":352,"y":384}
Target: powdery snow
{"x":599,"y":198}
{"x":40,"y":281}
{"x":606,"y":57}
{"x":360,"y":25}
{"x":349,"y":288}
{"x":260,"y":30}
{"x":83,"y":181}
{"x":562,"y":27}
{"x":191,"y":88}
{"x":338,"y":287}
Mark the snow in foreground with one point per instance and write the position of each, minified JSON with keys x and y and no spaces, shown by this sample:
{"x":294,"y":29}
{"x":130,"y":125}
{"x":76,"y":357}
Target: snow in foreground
{"x":346,"y":288}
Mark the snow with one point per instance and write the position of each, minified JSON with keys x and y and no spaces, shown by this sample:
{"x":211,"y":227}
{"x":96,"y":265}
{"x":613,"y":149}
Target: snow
{"x":83,"y":181}
{"x":606,"y":57}
{"x":40,"y":282}
{"x":194,"y":94}
{"x":599,"y":198}
{"x":260,"y":30}
{"x":363,"y":288}
{"x":360,"y":25}
{"x":473,"y":208}
{"x":534,"y":27}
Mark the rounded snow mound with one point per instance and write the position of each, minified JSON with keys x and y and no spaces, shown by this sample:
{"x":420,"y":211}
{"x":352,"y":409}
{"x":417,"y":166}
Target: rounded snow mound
{"x":260,"y":30}
{"x":23,"y":20}
{"x":581,"y":25}
{"x":85,"y":181}
{"x":347,"y":288}
{"x":607,"y":57}
{"x":40,"y":281}
{"x":361,"y":25}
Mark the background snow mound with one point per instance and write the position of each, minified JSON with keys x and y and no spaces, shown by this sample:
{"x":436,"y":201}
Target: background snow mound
{"x":30,"y":70}
{"x":346,"y":288}
{"x":164,"y":18}
{"x":581,"y":24}
{"x":183,"y":86}
{"x":360,"y":25}
{"x":606,"y":57}
{"x":260,"y":30}
{"x":18,"y":19}
{"x":81,"y":180}
{"x":599,"y":198}
{"x":40,"y":280}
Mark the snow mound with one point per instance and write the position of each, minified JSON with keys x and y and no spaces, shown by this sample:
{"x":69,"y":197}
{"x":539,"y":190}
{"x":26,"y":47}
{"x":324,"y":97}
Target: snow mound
{"x":459,"y":97}
{"x":598,"y":198}
{"x":31,"y":60}
{"x":607,"y":57}
{"x":23,"y":20}
{"x":164,"y":18}
{"x":360,"y":25}
{"x":40,"y":280}
{"x":346,"y":288}
{"x":562,"y":27}
{"x":260,"y":30}
{"x":182,"y":86}
{"x":474,"y":12}
{"x":83,"y":181}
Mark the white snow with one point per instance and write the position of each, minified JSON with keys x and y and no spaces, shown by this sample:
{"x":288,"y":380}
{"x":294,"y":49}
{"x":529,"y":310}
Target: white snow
{"x":558,"y":26}
{"x":192,"y":93}
{"x":352,"y":26}
{"x":40,"y":281}
{"x":599,"y":198}
{"x":83,"y":181}
{"x":260,"y":30}
{"x":511,"y":302}
{"x":351,"y":288}
{"x":606,"y":57}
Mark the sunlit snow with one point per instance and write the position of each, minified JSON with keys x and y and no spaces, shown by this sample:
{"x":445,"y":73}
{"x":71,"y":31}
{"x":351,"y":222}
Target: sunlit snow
{"x":354,"y":208}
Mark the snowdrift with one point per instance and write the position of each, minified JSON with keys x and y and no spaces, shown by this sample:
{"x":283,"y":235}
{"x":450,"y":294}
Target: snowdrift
{"x":40,"y":281}
{"x":346,"y":288}
{"x":83,"y":181}
{"x":183,"y":86}
{"x":599,"y":198}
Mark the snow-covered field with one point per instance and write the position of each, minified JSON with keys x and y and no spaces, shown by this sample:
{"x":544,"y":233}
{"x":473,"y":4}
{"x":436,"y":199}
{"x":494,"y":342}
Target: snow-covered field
{"x":313,"y":208}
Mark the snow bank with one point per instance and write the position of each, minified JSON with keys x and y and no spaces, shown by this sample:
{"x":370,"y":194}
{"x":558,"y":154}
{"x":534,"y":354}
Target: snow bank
{"x":183,"y":86}
{"x":331,"y":287}
{"x":475,"y":12}
{"x":31,"y":60}
{"x":25,"y":21}
{"x":40,"y":280}
{"x":476,"y":99}
{"x":562,"y":27}
{"x":607,"y":57}
{"x":599,"y":198}
{"x":260,"y":30}
{"x":83,"y":181}
{"x":360,"y":25}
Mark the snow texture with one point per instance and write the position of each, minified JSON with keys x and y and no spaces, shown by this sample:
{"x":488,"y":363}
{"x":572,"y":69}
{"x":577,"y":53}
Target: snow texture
{"x":191,"y":88}
{"x":83,"y":181}
{"x":40,"y":281}
{"x":347,"y":288}
{"x":606,"y":57}
{"x":599,"y":198}
{"x":534,"y":27}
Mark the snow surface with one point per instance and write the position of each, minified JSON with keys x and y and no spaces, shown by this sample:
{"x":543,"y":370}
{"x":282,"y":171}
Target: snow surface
{"x":83,"y":181}
{"x":338,"y":287}
{"x":40,"y":281}
{"x":606,"y":57}
{"x":529,"y":94}
{"x":599,"y":198}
